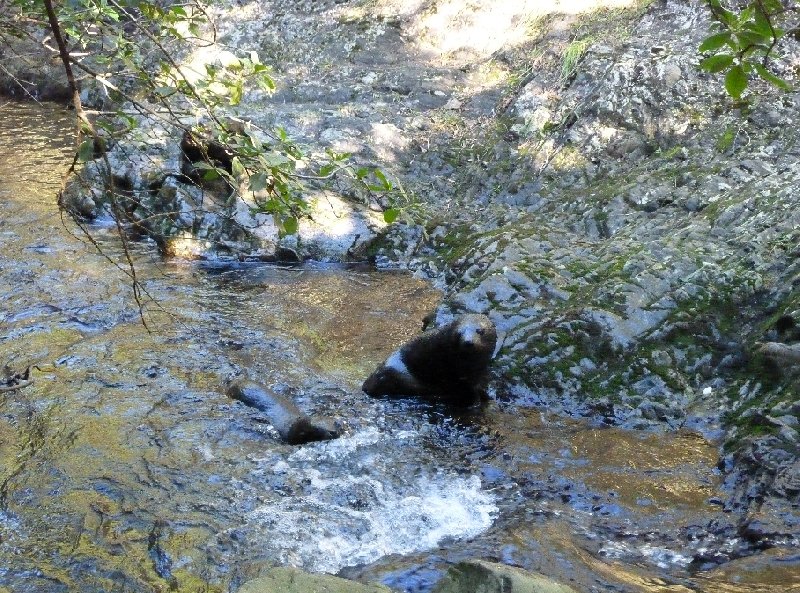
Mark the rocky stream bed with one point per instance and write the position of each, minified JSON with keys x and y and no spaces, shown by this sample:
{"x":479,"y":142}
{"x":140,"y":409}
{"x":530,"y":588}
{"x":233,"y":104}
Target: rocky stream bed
{"x":631,"y":231}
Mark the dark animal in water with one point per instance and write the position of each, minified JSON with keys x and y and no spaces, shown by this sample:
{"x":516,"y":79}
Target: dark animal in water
{"x":450,"y":363}
{"x":292,"y":424}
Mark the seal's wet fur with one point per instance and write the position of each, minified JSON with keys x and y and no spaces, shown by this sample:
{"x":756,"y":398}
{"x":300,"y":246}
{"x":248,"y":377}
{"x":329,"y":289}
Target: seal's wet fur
{"x":293,"y":426}
{"x":450,"y":363}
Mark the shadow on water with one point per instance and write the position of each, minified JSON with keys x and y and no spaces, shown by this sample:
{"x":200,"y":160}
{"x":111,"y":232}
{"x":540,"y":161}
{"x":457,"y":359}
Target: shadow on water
{"x":124,"y":467}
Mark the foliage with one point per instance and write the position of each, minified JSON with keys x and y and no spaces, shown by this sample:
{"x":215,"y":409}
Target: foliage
{"x":133,"y":51}
{"x":746,"y":40}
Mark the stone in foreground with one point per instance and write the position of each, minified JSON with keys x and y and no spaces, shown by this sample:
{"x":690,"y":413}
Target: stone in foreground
{"x":293,"y":580}
{"x":479,"y":576}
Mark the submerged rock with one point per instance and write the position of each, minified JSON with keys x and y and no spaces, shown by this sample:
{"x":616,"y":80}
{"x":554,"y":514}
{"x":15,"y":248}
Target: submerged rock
{"x":294,"y":580}
{"x":488,"y":577}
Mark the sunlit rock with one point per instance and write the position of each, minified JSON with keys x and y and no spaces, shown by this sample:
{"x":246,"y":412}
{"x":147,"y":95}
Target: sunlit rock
{"x":490,"y":577}
{"x":293,"y":580}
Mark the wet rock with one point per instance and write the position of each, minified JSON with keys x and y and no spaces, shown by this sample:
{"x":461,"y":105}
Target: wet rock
{"x":213,"y":219}
{"x":489,"y":577}
{"x":287,"y":255}
{"x":200,"y":147}
{"x":783,"y":353}
{"x":294,"y":580}
{"x":770,"y":525}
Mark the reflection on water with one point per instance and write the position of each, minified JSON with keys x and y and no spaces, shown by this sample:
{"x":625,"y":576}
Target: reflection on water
{"x":125,"y":468}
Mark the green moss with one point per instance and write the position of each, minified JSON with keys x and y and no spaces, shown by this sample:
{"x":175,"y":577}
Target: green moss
{"x":727,"y":138}
{"x":572,"y":56}
{"x":670,"y":153}
{"x":456,"y":244}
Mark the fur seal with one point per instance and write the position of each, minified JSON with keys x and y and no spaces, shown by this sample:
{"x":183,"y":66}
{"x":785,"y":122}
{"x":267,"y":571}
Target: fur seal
{"x":450,"y":363}
{"x":293,"y":426}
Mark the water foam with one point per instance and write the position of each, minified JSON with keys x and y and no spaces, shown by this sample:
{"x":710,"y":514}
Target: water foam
{"x":366,"y":511}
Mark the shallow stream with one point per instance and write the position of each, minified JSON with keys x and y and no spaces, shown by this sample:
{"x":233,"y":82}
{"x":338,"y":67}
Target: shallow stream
{"x":124,"y":467}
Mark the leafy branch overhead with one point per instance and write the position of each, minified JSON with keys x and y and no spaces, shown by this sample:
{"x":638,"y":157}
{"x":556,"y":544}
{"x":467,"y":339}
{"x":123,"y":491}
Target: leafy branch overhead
{"x":748,"y":42}
{"x":132,"y":57}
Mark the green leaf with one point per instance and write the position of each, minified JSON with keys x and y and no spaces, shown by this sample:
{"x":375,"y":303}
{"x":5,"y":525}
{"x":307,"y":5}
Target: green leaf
{"x":771,"y":78}
{"x":736,"y":81}
{"x":746,"y":38}
{"x":391,"y":215}
{"x":270,"y":207}
{"x":129,"y":120}
{"x":104,"y":125}
{"x":236,"y":93}
{"x":761,"y":24}
{"x":293,"y":151}
{"x":86,"y":150}
{"x":237,"y":167}
{"x":287,"y":226}
{"x":164,"y":91}
{"x":266,"y":83}
{"x":276,"y":160}
{"x":386,"y":185}
{"x":726,"y":16}
{"x":290,"y":225}
{"x":716,"y":63}
{"x":747,"y":14}
{"x":258,"y":181}
{"x":715,"y":41}
{"x":326,"y":170}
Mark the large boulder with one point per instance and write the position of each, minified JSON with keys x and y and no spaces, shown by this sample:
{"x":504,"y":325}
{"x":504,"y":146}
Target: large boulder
{"x":293,"y":580}
{"x":479,"y":576}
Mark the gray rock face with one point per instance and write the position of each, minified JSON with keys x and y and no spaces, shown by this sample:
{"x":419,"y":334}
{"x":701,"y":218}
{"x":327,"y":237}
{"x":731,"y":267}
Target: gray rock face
{"x":661,"y":246}
{"x":189,"y":220}
{"x":488,"y":577}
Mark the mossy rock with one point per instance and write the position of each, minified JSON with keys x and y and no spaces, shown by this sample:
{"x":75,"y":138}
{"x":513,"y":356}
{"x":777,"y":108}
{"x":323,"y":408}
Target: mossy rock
{"x":293,"y":580}
{"x":478,"y":576}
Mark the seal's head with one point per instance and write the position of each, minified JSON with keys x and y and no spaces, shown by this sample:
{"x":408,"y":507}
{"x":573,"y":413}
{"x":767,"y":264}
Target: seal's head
{"x":475,"y":333}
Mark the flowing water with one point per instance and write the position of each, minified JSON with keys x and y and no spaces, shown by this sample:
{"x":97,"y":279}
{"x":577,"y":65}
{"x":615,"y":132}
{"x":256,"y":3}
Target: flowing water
{"x":123,"y":466}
